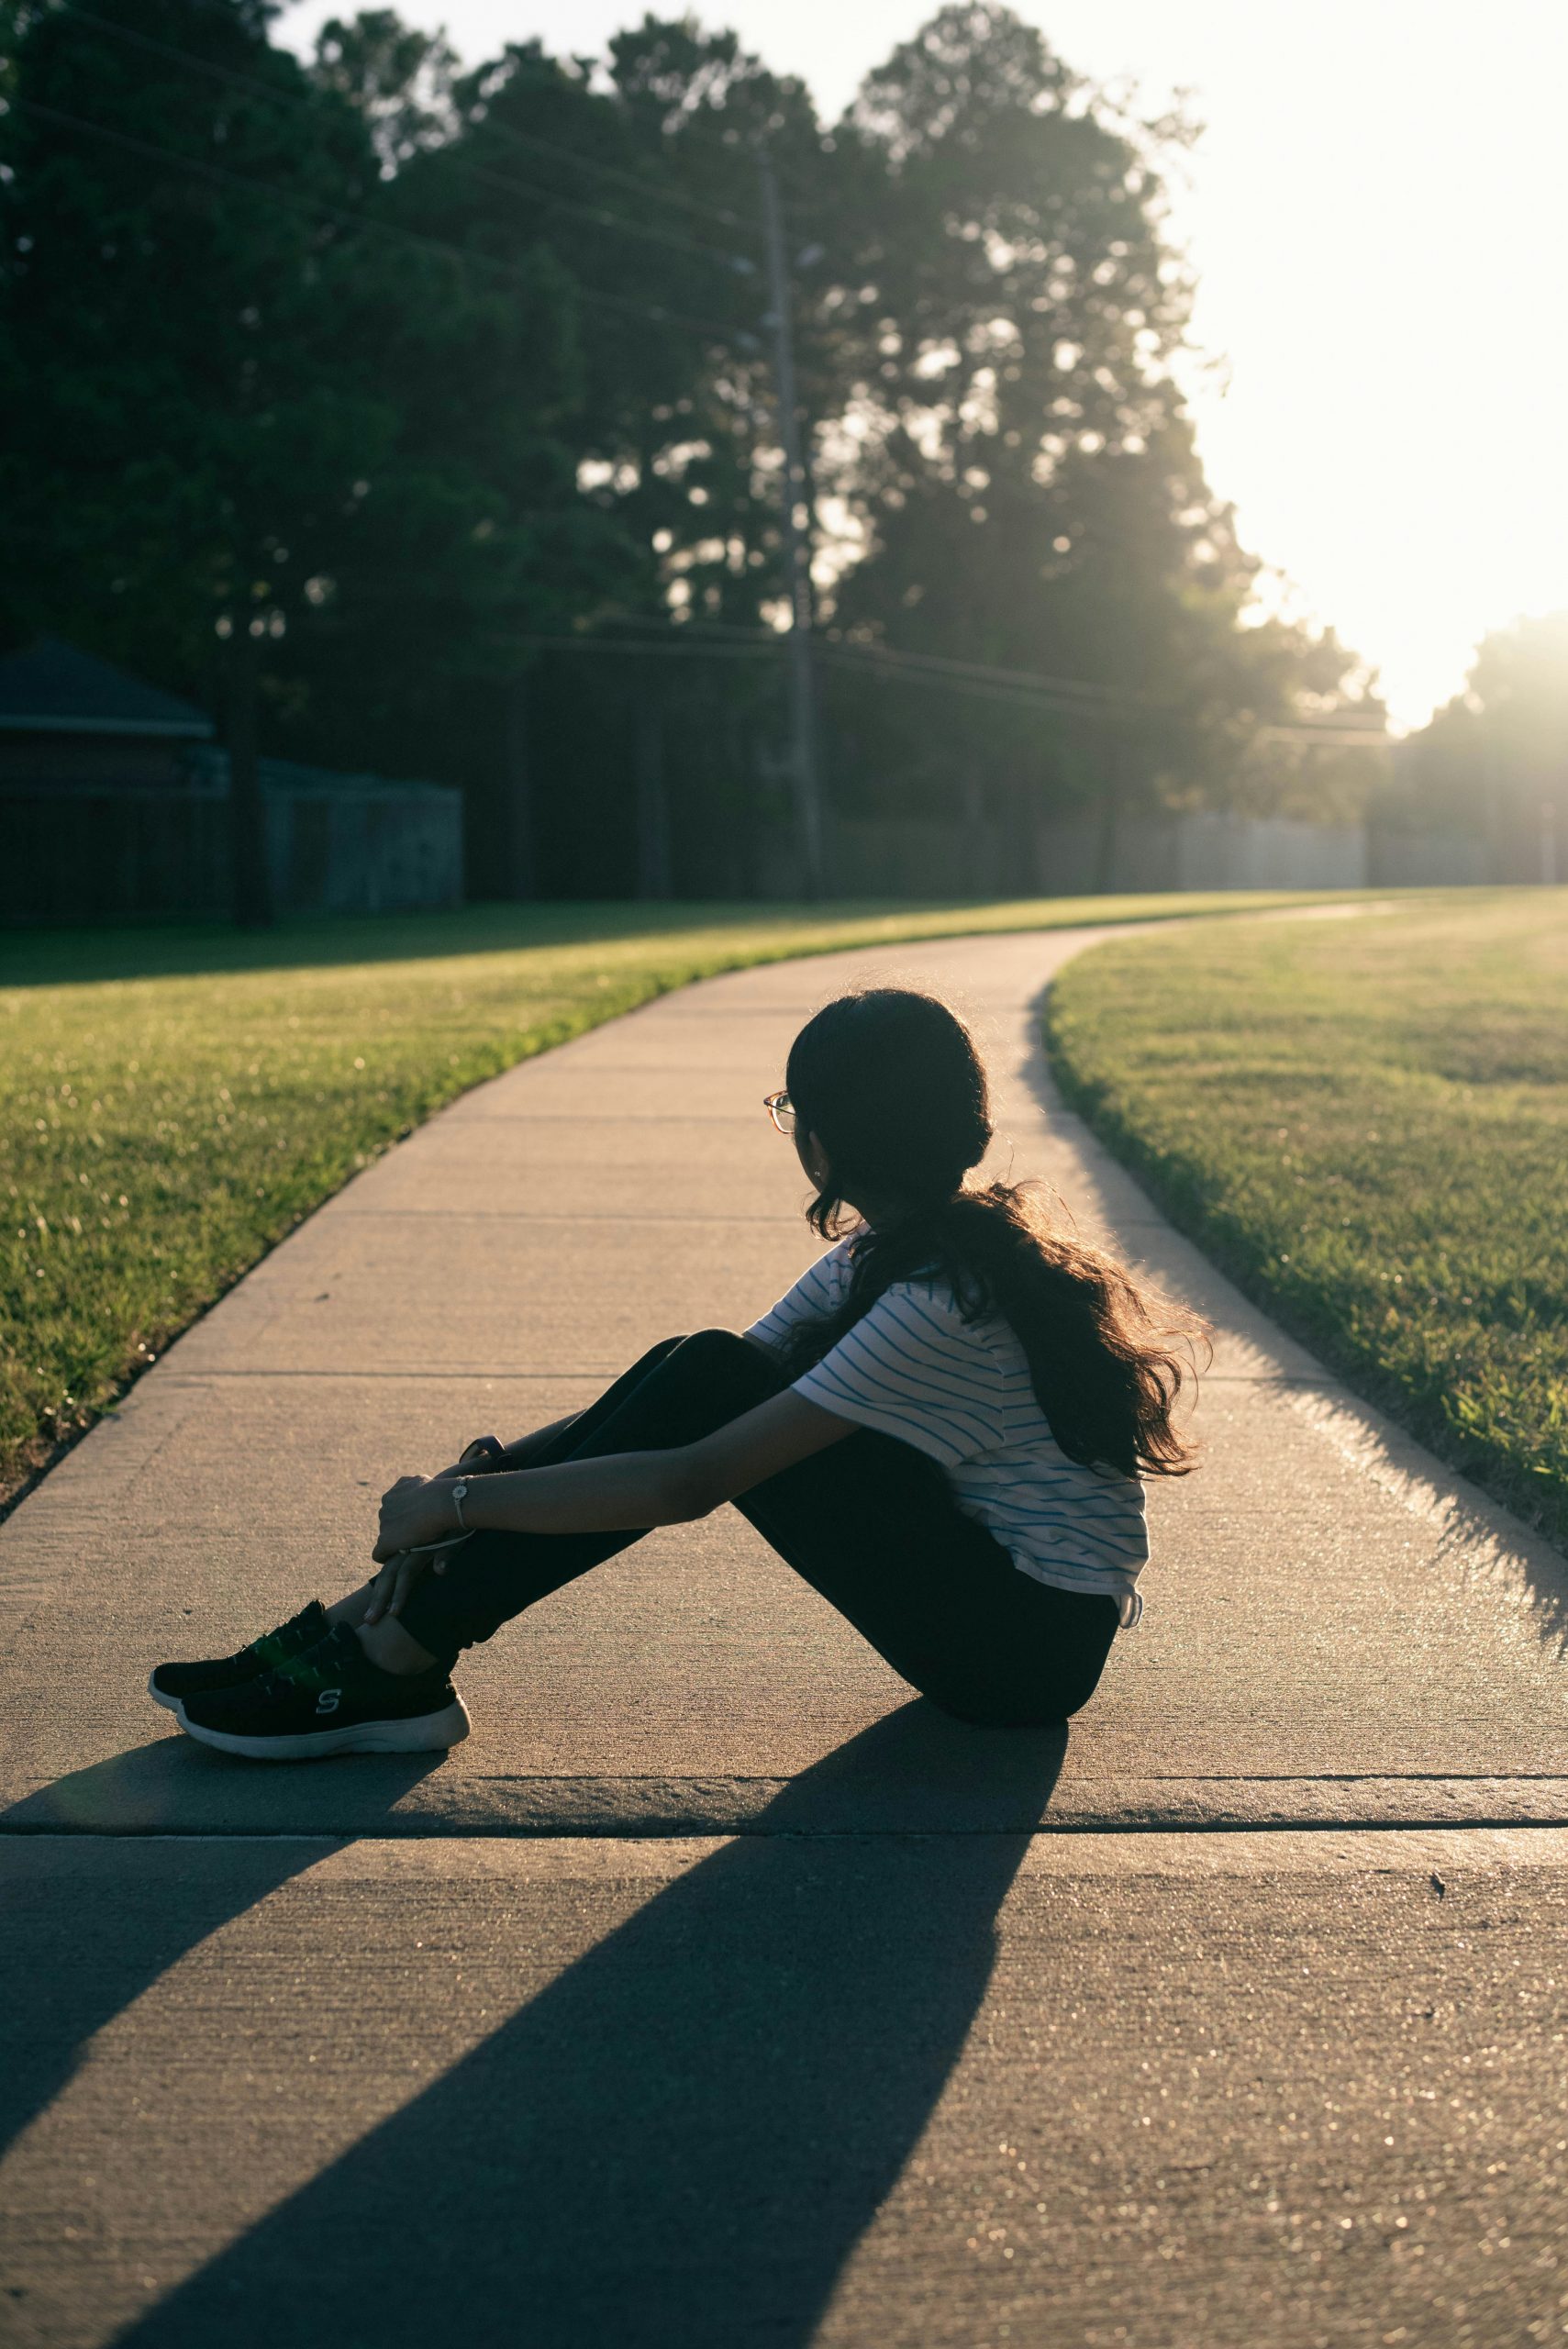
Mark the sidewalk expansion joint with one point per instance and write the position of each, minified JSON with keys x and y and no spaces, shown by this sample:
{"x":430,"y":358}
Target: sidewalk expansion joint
{"x":888,"y":1817}
{"x":680,"y":1831}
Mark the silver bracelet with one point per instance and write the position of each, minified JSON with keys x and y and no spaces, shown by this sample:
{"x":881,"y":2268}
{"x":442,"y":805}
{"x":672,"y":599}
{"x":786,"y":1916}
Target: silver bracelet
{"x":459,"y":1492}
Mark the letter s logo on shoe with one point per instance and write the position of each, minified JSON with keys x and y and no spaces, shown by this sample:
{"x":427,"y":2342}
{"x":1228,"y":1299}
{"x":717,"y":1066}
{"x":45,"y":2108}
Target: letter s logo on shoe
{"x":328,"y":1700}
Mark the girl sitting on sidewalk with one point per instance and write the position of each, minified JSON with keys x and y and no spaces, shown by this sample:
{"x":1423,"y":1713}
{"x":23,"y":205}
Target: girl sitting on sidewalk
{"x":942,"y":1427}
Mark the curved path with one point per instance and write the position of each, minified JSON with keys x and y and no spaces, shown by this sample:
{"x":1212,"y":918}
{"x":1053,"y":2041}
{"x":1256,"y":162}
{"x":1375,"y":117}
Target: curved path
{"x":714,"y":1993}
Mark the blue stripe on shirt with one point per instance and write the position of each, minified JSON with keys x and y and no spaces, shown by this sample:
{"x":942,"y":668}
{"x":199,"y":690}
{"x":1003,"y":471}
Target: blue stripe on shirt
{"x":898,"y":1370}
{"x":961,"y":1392}
{"x":962,"y":1423}
{"x":819,"y":1385}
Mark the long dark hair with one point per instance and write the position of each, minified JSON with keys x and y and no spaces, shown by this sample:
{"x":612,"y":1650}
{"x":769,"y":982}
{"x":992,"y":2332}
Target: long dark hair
{"x":890,"y":1082}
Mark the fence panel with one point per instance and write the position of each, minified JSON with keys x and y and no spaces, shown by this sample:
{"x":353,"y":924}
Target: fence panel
{"x":127,"y":852}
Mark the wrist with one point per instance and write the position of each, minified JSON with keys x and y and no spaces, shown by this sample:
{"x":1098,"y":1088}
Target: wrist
{"x":483,"y":1506}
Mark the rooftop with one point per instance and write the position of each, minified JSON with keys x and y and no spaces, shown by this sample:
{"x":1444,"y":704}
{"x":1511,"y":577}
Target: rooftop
{"x":51,"y":688}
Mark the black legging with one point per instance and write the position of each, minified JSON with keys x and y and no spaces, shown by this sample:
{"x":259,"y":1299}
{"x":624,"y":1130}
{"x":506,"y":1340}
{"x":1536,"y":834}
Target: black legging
{"x":869,"y":1523}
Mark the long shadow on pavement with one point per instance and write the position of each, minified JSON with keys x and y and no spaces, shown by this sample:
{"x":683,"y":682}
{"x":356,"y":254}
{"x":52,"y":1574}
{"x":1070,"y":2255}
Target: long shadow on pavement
{"x":678,"y":2143}
{"x":68,"y":956}
{"x":74,"y":1960}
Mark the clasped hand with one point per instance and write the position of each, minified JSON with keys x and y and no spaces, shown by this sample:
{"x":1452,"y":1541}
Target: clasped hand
{"x":415,"y":1512}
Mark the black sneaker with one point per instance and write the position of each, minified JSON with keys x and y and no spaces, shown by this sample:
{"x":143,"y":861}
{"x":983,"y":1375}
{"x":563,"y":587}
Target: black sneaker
{"x":172,"y":1682}
{"x":331,"y":1700}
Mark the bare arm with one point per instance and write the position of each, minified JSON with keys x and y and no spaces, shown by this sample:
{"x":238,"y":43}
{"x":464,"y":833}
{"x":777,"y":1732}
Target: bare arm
{"x":622,"y":1491}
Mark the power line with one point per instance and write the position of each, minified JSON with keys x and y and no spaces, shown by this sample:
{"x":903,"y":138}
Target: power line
{"x":347,"y":216}
{"x":597,"y":216}
{"x":1016,"y":685}
{"x":661,"y":649}
{"x":983,"y":672}
{"x":1017,"y":688}
{"x":1349,"y":738}
{"x":558,"y":154}
{"x":1082,"y":697}
{"x":568,"y":155}
{"x":772,"y":643}
{"x":1021,"y":695}
{"x":1072,"y":696}
{"x":942,"y":666}
{"x":755,"y":633}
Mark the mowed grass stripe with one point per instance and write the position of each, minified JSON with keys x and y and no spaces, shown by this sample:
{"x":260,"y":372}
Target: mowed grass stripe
{"x":173,"y":1101}
{"x":1366,"y":1122}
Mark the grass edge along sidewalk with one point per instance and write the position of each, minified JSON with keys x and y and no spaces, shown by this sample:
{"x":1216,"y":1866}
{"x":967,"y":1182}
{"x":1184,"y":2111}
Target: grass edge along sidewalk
{"x":1364,"y":1123}
{"x":174,"y":1100}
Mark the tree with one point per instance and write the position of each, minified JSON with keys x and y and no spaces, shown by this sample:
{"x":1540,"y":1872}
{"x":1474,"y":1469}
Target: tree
{"x":996,"y":316}
{"x":368,"y":374}
{"x":1494,"y":761}
{"x":285,"y":446}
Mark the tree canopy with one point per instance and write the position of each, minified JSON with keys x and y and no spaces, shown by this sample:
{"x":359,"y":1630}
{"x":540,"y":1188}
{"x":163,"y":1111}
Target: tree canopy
{"x":398,"y":375}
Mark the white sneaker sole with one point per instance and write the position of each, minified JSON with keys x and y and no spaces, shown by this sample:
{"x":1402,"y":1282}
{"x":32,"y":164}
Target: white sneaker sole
{"x":425,"y":1733}
{"x":170,"y":1704}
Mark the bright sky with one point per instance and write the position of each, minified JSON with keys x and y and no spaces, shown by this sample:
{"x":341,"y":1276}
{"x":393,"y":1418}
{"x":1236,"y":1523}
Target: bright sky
{"x":1378,"y":215}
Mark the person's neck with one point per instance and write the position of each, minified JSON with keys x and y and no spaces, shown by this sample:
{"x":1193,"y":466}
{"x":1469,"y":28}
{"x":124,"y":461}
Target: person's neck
{"x":881,"y":1215}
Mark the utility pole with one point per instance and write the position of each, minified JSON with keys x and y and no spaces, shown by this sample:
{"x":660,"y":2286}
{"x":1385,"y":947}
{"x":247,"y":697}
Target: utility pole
{"x":797,"y":545}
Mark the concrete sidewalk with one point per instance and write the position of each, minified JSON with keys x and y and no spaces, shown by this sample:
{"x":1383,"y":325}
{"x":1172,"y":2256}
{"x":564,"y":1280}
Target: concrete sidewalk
{"x":713,"y":1992}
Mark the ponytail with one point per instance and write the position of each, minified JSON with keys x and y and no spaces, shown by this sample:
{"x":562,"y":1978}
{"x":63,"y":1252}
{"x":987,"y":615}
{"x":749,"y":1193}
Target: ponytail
{"x":1108,"y":1360}
{"x":891,"y":1086}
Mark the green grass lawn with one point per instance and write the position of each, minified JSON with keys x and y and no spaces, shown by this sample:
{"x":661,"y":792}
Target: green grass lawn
{"x":1366,"y":1122}
{"x":174,"y":1100}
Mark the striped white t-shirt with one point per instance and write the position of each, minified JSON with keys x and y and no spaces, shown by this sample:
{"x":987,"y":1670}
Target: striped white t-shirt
{"x":960,"y":1391}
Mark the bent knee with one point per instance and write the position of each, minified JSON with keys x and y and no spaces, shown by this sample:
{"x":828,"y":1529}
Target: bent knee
{"x":723,"y":1362}
{"x":726,"y":1346}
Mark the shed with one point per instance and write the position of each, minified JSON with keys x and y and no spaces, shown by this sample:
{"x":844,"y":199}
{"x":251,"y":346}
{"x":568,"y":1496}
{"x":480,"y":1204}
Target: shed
{"x":114,"y":802}
{"x":70,"y":720}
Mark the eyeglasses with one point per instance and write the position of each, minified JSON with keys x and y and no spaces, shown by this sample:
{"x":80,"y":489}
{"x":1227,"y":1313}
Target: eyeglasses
{"x":780,"y":1109}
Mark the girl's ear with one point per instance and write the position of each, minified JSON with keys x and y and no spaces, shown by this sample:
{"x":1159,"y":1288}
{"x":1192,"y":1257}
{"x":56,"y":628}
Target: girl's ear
{"x":814,"y":1159}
